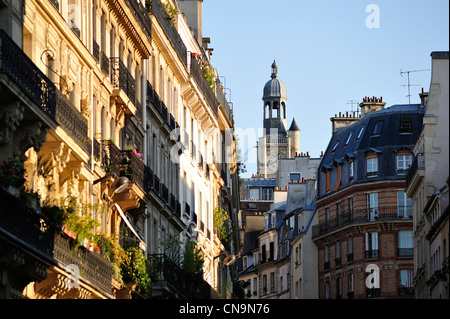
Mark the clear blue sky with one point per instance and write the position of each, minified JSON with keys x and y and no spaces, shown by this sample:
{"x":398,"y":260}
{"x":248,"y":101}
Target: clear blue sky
{"x":326,"y":56}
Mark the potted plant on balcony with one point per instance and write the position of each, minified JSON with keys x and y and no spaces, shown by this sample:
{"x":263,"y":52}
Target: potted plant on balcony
{"x":136,"y":271}
{"x":222,"y":227}
{"x":12,"y":177}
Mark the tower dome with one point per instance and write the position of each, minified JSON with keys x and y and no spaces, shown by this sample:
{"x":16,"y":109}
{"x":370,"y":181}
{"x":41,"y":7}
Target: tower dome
{"x":274,"y":87}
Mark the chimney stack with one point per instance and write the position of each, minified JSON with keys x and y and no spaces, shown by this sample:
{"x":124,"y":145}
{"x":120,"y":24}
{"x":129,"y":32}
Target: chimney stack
{"x":371,"y":104}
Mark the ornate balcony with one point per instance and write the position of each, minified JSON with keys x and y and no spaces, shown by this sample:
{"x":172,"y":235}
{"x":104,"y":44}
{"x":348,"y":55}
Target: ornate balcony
{"x":362,"y":216}
{"x":92,"y":266}
{"x":122,"y":163}
{"x":121,"y":78}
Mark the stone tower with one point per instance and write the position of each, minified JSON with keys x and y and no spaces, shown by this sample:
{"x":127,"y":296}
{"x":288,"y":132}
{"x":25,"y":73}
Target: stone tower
{"x":277,"y":141}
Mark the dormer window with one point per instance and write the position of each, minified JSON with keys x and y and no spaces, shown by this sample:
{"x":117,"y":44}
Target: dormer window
{"x":405,"y":126}
{"x":377,"y":128}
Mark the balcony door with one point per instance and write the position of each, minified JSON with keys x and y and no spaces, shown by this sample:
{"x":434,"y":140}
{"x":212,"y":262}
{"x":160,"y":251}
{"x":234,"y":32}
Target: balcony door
{"x":404,"y":205}
{"x":372,"y":206}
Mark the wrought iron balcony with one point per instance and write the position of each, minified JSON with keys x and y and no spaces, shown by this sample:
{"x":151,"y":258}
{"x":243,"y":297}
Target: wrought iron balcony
{"x":156,"y":8}
{"x":122,"y":163}
{"x":42,"y":91}
{"x":169,"y":276}
{"x":93,"y":267}
{"x":26,"y":75}
{"x":122,"y":79}
{"x":417,"y":164}
{"x":362,"y":216}
{"x":72,"y":121}
{"x":21,"y":222}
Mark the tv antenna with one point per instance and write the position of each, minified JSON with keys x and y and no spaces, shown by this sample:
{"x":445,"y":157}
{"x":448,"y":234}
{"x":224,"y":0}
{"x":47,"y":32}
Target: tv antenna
{"x":409,"y":85}
{"x":351,"y":102}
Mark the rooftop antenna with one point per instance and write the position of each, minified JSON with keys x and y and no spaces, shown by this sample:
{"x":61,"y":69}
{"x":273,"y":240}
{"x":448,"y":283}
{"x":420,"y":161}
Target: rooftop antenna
{"x":409,"y":85}
{"x":351,"y":102}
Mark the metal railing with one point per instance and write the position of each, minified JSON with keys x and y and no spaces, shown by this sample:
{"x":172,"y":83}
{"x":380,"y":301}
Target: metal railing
{"x":34,"y":83}
{"x":72,"y":121}
{"x":418,"y":163}
{"x":93,"y":267}
{"x":121,"y":78}
{"x":362,"y":216}
{"x":156,"y":8}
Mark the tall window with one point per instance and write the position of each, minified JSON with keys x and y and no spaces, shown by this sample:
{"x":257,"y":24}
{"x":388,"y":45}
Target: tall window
{"x":372,"y":165}
{"x":405,"y":243}
{"x":372,"y":245}
{"x":351,"y":171}
{"x":372,"y":206}
{"x":350,"y":249}
{"x":406,"y":281}
{"x":254,"y":193}
{"x":404,"y":160}
{"x":338,"y":253}
{"x":350,"y":286}
{"x":267,"y":193}
{"x":326,"y":258}
{"x":404,"y":205}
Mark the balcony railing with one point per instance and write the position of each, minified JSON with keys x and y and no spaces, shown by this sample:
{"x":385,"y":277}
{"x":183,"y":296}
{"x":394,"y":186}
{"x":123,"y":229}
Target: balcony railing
{"x":72,"y":121}
{"x":209,"y":95}
{"x":42,"y":91}
{"x":132,"y":167}
{"x":27,"y":75}
{"x":122,"y":78}
{"x":156,"y":8}
{"x":25,"y":224}
{"x":362,"y":216}
{"x":187,"y":285}
{"x":417,"y":164}
{"x":93,"y":267}
{"x":122,"y":163}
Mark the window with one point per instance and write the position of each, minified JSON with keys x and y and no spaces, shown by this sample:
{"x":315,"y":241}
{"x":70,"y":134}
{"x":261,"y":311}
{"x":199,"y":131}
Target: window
{"x":372,"y":245}
{"x":335,"y":146}
{"x":254,"y":193}
{"x":273,"y":220}
{"x":267,"y":193}
{"x":406,"y":282}
{"x":338,"y":253}
{"x":264,"y":284}
{"x":339,"y":288}
{"x":372,"y":165}
{"x":348,"y":138}
{"x":405,"y":243}
{"x":294,"y":177}
{"x":405,"y":126}
{"x":327,"y":290}
{"x":326,"y":257}
{"x":350,"y":249}
{"x":351,"y":171}
{"x":377,"y":128}
{"x":255,"y":285}
{"x":350,"y":286}
{"x":404,"y":205}
{"x":372,"y":206}
{"x":328,"y":181}
{"x":404,"y":160}
{"x":272,"y":282}
{"x":360,"y":132}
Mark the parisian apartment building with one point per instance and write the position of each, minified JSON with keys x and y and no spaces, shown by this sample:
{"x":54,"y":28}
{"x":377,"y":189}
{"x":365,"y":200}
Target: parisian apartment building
{"x":114,"y":153}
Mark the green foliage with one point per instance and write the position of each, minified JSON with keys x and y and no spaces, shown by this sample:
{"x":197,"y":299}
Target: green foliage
{"x":222,"y":227}
{"x":193,"y":259}
{"x":135,"y":269}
